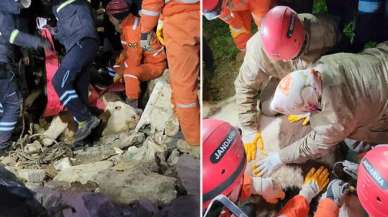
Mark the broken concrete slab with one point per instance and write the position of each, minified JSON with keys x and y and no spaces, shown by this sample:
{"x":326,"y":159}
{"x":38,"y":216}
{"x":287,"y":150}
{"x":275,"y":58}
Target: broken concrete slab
{"x":83,"y":173}
{"x":93,"y":154}
{"x":123,"y":140}
{"x":134,"y":184}
{"x":184,"y":147}
{"x":122,"y":118}
{"x":188,"y":170}
{"x":63,"y":164}
{"x":32,"y":175}
{"x":147,"y":151}
{"x":158,"y":111}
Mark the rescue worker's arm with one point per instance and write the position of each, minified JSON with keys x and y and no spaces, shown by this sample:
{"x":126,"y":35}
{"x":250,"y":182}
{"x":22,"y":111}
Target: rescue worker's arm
{"x":19,"y":38}
{"x":317,"y":143}
{"x":150,"y":12}
{"x":248,"y":84}
{"x":327,"y":208}
{"x":296,"y":207}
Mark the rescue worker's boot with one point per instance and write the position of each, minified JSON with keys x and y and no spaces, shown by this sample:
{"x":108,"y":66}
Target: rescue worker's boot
{"x":85,"y":128}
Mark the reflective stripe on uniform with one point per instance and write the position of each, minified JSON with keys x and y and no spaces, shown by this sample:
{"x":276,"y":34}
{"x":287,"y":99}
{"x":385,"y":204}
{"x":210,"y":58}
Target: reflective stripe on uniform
{"x":135,"y":23}
{"x":183,"y":1}
{"x":7,"y":124}
{"x":186,"y":105}
{"x":123,"y":42}
{"x":149,"y":13}
{"x":64,"y":4}
{"x":13,"y":36}
{"x":130,"y":76}
{"x":6,"y":129}
{"x":158,"y":52}
{"x":237,"y":31}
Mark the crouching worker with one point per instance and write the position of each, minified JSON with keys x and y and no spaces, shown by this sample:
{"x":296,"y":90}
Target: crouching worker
{"x":76,"y":31}
{"x":346,"y":96}
{"x":224,"y":162}
{"x":10,"y":97}
{"x":134,"y":63}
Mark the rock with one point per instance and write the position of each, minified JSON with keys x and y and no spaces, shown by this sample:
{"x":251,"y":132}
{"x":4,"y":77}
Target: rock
{"x":184,"y":147}
{"x":122,"y":119}
{"x":187,"y":206}
{"x":83,"y":173}
{"x":62,"y":164}
{"x":57,"y":127}
{"x":158,"y":110}
{"x":8,"y":161}
{"x":94,"y":154}
{"x":173,"y":158}
{"x":136,"y":183}
{"x":32,"y":175}
{"x":188,"y":170}
{"x":172,"y":127}
{"x":147,"y":151}
{"x":124,"y":140}
{"x":34,"y":147}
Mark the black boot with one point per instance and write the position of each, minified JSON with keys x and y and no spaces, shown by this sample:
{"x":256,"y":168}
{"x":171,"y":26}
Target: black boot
{"x":85,"y":128}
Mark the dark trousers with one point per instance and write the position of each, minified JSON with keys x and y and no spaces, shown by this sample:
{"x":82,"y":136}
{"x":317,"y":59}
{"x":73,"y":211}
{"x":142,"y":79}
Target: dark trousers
{"x":10,"y":101}
{"x":71,"y":81}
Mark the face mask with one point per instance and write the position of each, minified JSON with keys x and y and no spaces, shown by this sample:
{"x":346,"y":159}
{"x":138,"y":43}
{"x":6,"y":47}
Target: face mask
{"x":211,"y":15}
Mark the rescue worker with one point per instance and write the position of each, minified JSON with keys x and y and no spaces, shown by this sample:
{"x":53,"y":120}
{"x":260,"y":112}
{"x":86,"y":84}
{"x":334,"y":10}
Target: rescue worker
{"x":76,"y":31}
{"x":286,"y":42}
{"x":10,"y":35}
{"x":345,"y":96}
{"x":238,"y":15}
{"x":181,"y":33}
{"x":224,"y":163}
{"x":136,"y":65}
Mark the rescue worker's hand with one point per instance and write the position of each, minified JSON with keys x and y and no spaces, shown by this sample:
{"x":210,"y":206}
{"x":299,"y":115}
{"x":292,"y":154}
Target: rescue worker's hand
{"x":268,"y":189}
{"x":268,"y":165}
{"x":254,"y":141}
{"x":159,"y":32}
{"x":296,"y":118}
{"x":145,"y":40}
{"x":314,"y":182}
{"x":350,"y":168}
{"x":336,"y":191}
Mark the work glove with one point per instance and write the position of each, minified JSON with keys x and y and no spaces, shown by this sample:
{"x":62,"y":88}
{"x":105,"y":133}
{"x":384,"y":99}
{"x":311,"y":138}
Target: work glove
{"x":159,"y":32}
{"x":268,"y":189}
{"x":336,"y":191}
{"x":252,"y":141}
{"x":314,"y":182}
{"x":296,"y":118}
{"x":145,"y":40}
{"x":268,"y":165}
{"x":349,"y":168}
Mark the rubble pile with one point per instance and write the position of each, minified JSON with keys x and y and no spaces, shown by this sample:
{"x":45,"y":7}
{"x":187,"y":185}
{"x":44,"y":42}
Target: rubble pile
{"x":140,"y":158}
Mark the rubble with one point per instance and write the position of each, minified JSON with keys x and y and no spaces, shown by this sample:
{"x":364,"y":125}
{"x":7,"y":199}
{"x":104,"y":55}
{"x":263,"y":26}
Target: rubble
{"x":188,"y":170}
{"x":32,"y":175}
{"x":83,"y":173}
{"x":184,"y":147}
{"x":147,"y":151}
{"x":33,"y":148}
{"x":62,"y":164}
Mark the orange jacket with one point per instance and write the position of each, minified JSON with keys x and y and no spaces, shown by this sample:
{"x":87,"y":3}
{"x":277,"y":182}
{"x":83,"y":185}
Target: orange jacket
{"x":152,"y":9}
{"x":238,"y":15}
{"x":132,"y":57}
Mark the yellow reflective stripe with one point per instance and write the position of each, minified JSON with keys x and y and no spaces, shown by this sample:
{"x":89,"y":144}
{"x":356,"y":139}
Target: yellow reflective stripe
{"x":64,"y":4}
{"x":13,"y":36}
{"x":186,"y":105}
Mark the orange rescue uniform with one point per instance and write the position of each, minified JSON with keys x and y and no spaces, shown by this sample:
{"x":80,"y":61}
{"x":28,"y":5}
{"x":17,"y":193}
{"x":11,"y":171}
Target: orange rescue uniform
{"x":238,"y":14}
{"x":181,"y":33}
{"x":135,"y":64}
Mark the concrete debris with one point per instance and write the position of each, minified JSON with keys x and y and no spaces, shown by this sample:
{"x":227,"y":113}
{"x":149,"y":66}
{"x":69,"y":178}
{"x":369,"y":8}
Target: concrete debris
{"x":172,"y":127}
{"x":158,"y":110}
{"x":188,"y":170}
{"x":122,"y":118}
{"x":147,"y":151}
{"x":8,"y":161}
{"x":56,"y":128}
{"x":94,"y":154}
{"x":32,"y":148}
{"x":184,"y":147}
{"x":136,"y":183}
{"x":83,"y":173}
{"x":63,"y":164}
{"x":173,"y":158}
{"x":32,"y":175}
{"x":124,"y":140}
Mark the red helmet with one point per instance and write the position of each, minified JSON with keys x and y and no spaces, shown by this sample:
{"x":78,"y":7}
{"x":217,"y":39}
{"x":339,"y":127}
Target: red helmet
{"x":117,"y":7}
{"x":282,"y":33}
{"x":223,"y":159}
{"x":209,"y":5}
{"x":372,"y":182}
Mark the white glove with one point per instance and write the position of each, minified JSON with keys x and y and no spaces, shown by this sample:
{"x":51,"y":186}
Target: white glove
{"x":248,"y":135}
{"x":350,"y":168}
{"x":309,"y":191}
{"x":270,"y":191}
{"x":269,"y":164}
{"x":41,"y":22}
